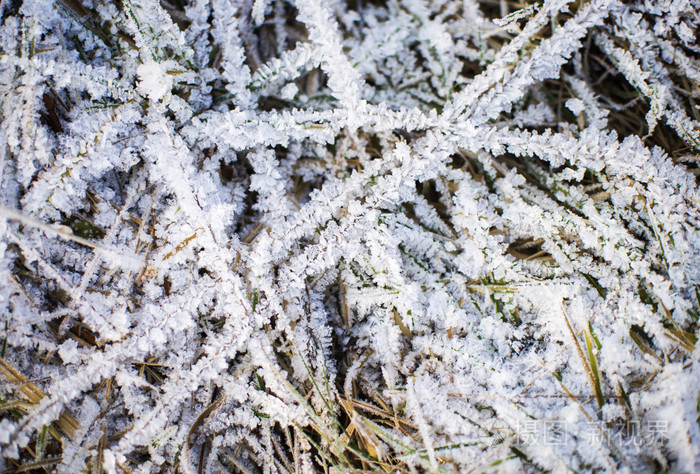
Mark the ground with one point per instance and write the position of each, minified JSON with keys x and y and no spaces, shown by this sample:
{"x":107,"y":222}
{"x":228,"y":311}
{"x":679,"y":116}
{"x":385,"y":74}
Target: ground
{"x":345,"y":236}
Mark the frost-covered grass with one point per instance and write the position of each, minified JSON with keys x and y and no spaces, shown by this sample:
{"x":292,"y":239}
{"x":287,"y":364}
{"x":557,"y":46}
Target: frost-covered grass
{"x":327,"y":235}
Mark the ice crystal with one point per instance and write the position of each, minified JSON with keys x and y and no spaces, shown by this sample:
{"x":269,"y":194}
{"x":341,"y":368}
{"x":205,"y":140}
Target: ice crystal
{"x":314,"y":235}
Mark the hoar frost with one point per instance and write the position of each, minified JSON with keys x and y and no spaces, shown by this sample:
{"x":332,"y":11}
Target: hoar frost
{"x":304,"y":236}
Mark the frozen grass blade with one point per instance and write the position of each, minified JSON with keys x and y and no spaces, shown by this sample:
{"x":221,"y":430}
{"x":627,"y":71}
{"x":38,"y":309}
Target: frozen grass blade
{"x":217,"y":217}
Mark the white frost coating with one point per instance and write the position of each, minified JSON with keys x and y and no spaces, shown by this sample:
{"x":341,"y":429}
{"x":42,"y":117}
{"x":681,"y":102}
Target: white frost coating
{"x":303,"y":235}
{"x":154,"y":83}
{"x":289,"y":91}
{"x":575,"y":105}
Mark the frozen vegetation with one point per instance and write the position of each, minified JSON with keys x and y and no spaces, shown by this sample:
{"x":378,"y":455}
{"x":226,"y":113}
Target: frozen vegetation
{"x":327,"y":235}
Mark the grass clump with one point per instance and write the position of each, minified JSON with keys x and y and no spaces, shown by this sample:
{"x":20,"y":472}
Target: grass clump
{"x":362,"y":236}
